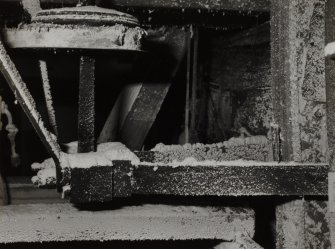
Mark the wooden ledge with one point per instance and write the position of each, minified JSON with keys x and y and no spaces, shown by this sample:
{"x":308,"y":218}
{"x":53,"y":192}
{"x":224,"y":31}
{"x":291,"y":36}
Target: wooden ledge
{"x":63,"y":222}
{"x":103,"y":184}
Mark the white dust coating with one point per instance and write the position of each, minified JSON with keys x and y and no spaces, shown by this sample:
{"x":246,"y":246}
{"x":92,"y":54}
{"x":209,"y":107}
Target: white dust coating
{"x":191,"y":161}
{"x":85,"y":13}
{"x":234,"y":141}
{"x":330,"y":49}
{"x":48,"y":96}
{"x":11,"y":74}
{"x":105,"y":155}
{"x":45,"y":177}
{"x":31,"y":6}
{"x":70,"y":36}
{"x":63,"y":222}
{"x":255,"y":148}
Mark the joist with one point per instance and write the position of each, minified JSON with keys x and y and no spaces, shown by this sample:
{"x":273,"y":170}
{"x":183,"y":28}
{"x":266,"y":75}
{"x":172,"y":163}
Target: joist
{"x":103,"y":184}
{"x":64,"y":222}
{"x":243,"y":5}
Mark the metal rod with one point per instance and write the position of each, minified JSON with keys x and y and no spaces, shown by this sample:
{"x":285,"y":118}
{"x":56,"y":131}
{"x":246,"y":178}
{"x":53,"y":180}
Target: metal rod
{"x":86,"y":138}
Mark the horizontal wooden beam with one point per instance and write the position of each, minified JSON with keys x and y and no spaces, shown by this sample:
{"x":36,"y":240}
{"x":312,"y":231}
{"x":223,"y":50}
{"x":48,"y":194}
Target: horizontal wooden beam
{"x":63,"y":222}
{"x":93,"y":185}
{"x":242,"y":5}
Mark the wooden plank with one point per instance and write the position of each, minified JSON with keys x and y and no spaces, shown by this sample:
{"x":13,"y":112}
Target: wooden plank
{"x":298,"y":78}
{"x":231,"y":180}
{"x":170,"y":46}
{"x":244,"y":5}
{"x":92,"y":184}
{"x":119,"y":112}
{"x":86,"y":110}
{"x":63,"y":222}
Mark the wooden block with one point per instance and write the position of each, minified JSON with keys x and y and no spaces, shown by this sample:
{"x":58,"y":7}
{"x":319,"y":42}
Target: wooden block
{"x":302,"y":224}
{"x":63,"y":222}
{"x":93,"y":184}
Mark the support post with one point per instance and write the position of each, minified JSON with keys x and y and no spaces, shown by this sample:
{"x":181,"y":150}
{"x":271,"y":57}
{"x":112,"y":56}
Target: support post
{"x":86,"y":112}
{"x":299,"y":103}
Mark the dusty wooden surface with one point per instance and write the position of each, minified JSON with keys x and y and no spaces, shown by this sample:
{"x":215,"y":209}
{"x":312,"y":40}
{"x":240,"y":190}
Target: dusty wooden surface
{"x":298,"y":78}
{"x":63,"y":222}
{"x":92,"y":185}
{"x":86,"y":105}
{"x":247,"y":5}
{"x":302,"y":224}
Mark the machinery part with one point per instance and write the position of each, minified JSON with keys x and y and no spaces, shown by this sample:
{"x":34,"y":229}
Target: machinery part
{"x":89,"y":15}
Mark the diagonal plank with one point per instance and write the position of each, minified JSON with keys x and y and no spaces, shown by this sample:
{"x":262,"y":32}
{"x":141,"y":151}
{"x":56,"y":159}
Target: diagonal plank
{"x":143,"y":101}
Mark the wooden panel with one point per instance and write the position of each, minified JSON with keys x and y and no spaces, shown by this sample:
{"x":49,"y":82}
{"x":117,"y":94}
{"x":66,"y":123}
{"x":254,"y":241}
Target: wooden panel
{"x":91,"y":184}
{"x":63,"y":222}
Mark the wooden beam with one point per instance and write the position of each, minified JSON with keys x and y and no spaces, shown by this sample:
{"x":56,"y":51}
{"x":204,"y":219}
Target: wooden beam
{"x":244,"y":5}
{"x":298,"y":78}
{"x":63,"y":222}
{"x":26,"y":101}
{"x":91,"y":184}
{"x":86,"y":110}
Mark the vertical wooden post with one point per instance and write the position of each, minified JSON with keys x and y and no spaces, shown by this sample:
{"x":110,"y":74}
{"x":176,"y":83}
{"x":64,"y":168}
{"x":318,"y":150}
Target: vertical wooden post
{"x":298,"y":79}
{"x":330,"y":89}
{"x":299,"y":102}
{"x":86,"y":112}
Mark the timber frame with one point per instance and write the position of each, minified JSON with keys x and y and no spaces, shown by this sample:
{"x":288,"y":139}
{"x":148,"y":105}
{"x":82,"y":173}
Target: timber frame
{"x":308,"y":177}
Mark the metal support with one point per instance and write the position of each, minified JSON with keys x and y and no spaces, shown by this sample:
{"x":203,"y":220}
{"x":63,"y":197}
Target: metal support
{"x":86,"y":138}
